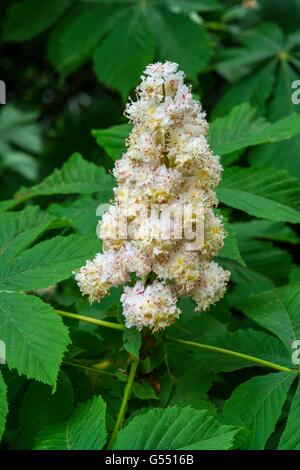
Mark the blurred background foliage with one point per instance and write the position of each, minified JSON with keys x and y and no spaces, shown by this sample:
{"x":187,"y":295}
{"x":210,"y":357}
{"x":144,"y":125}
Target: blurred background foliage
{"x":69,"y":66}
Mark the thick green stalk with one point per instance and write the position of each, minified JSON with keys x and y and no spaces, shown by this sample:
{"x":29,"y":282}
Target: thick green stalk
{"x":229,"y":352}
{"x":126,"y":396}
{"x":207,"y":347}
{"x":94,"y":321}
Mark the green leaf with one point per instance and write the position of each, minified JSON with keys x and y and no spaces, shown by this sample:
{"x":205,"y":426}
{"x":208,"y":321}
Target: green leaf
{"x":249,"y":281}
{"x":191,"y":5}
{"x":277,"y":12}
{"x":40,"y":407}
{"x":76,"y":36}
{"x":144,"y":391}
{"x":47,"y":263}
{"x":132,"y":341}
{"x":18,"y":230}
{"x":135,"y":44}
{"x":20,"y":162}
{"x":8,"y":204}
{"x":242,"y":128}
{"x":191,"y":389}
{"x":3,"y":407}
{"x":254,"y":89}
{"x":21,"y":138}
{"x":81,"y":213}
{"x":76,"y":176}
{"x":295,"y":274}
{"x":278,"y":311}
{"x":183,"y":41}
{"x":85,"y":430}
{"x":249,"y":342}
{"x":280,"y":155}
{"x":268,"y":194}
{"x":113,"y":139}
{"x":259,"y":45}
{"x":35,"y":337}
{"x":175,"y":428}
{"x":275,"y":231}
{"x":22,"y":24}
{"x":257,"y":405}
{"x":231,"y":248}
{"x":20,"y":128}
{"x":290,"y":439}
{"x":267,"y":260}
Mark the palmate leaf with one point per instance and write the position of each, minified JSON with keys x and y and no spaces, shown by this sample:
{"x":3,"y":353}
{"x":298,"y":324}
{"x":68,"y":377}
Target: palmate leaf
{"x":20,"y":24}
{"x":113,"y":139}
{"x":135,"y":44}
{"x":76,"y":176}
{"x":78,"y":33}
{"x":47,"y":263}
{"x":242,"y":128}
{"x":290,"y":439}
{"x":175,"y":428}
{"x":258,"y":46}
{"x":277,"y":12}
{"x":263,"y":79}
{"x":3,"y":405}
{"x":278,"y":311}
{"x":268,"y":194}
{"x":85,"y":430}
{"x":35,"y":337}
{"x":257,"y":405}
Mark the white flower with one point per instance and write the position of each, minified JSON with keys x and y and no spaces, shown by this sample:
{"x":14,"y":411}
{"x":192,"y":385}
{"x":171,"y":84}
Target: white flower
{"x":135,"y":260}
{"x":165,"y":192}
{"x":151,"y":307}
{"x":97,"y":276}
{"x":211,"y":286}
{"x":214,"y":234}
{"x":182,"y":267}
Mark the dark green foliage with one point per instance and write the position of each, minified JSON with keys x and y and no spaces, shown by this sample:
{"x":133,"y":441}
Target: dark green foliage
{"x":223,"y":379}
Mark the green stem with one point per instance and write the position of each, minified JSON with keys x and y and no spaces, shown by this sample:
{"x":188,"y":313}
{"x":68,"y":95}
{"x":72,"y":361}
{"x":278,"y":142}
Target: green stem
{"x":87,"y":368}
{"x":94,"y":321}
{"x":126,"y":396}
{"x":217,"y":26}
{"x":228,"y":352}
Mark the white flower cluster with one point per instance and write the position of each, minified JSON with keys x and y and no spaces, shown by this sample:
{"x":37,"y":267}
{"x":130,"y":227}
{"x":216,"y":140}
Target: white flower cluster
{"x":168,"y":163}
